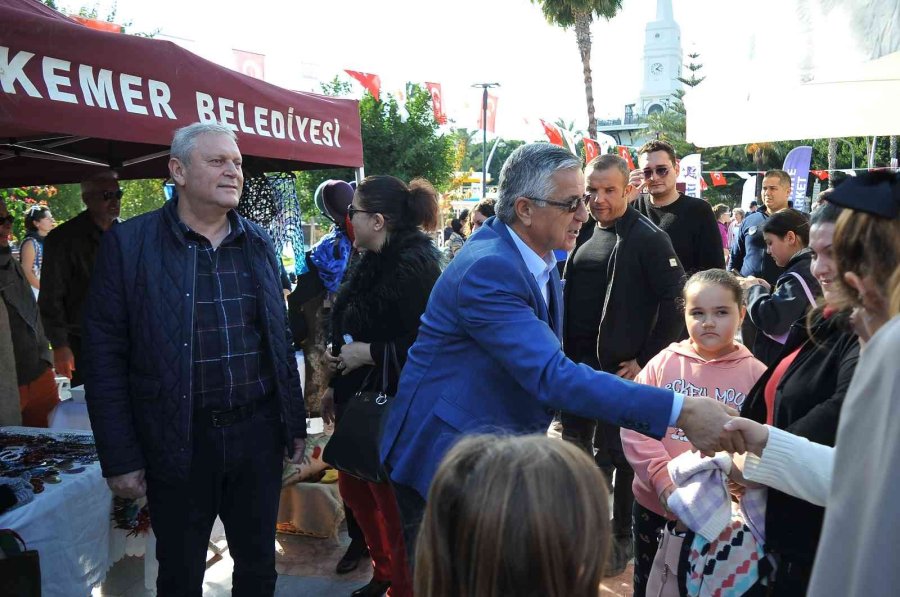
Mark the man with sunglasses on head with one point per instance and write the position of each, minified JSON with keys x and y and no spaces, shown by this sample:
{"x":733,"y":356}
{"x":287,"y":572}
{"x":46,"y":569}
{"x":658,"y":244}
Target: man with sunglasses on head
{"x":688,"y":221}
{"x":69,"y":252}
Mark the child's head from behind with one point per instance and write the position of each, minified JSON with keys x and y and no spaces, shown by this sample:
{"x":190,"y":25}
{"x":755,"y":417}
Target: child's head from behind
{"x":713,"y":312}
{"x":786,"y":233}
{"x":514,"y":516}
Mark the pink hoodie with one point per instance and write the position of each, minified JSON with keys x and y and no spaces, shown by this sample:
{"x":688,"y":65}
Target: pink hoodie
{"x":728,"y":379}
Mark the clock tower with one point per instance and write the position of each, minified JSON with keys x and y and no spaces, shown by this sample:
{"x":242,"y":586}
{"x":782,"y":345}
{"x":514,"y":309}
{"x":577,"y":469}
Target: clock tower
{"x":662,"y":60}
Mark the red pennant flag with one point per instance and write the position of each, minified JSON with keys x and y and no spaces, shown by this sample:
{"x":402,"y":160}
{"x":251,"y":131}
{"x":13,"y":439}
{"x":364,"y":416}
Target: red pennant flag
{"x":591,"y":149}
{"x":250,"y":63}
{"x":371,"y":82}
{"x":623,"y":151}
{"x":491,"y":114}
{"x":553,"y":134}
{"x":821,"y":174}
{"x":703,"y":185}
{"x":98,"y":25}
{"x":718,"y":179}
{"x":437,"y":102}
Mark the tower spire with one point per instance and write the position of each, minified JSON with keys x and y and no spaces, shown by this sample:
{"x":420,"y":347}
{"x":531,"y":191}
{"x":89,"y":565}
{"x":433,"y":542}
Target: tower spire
{"x":664,"y":10}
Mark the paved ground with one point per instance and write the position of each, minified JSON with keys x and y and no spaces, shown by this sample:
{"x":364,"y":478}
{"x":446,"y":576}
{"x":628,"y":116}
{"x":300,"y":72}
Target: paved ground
{"x":305,"y":566}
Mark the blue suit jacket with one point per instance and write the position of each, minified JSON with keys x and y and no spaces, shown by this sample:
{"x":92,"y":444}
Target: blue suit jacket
{"x":488,"y":358}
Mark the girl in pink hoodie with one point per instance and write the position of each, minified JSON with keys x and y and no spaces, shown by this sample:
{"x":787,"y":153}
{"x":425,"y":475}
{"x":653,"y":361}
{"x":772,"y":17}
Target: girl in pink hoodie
{"x":709,"y":364}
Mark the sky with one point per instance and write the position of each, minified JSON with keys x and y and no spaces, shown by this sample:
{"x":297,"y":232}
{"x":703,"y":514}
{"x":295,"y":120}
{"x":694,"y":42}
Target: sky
{"x":460,"y":42}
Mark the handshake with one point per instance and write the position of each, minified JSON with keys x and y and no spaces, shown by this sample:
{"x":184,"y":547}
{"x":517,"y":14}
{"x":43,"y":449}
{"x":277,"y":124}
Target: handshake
{"x":713,"y":427}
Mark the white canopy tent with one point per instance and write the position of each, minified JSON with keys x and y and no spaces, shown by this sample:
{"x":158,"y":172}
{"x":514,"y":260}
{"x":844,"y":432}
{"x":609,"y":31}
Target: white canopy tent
{"x":850,"y":102}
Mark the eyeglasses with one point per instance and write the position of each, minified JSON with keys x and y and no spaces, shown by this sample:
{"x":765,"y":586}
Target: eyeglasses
{"x":660,"y":171}
{"x":570,"y":206}
{"x":352,"y":210}
{"x":7,"y":220}
{"x":109,"y":195}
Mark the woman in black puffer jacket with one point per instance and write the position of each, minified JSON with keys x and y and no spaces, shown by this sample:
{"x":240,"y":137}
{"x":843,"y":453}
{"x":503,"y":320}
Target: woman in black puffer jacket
{"x":378,"y":307}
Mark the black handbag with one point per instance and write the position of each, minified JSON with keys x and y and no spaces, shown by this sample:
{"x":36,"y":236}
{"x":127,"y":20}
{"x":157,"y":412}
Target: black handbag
{"x":20,"y":568}
{"x":354,"y":447}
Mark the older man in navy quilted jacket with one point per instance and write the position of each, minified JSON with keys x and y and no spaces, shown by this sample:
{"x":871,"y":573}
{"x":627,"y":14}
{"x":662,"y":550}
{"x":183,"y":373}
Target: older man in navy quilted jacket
{"x":191,"y":381}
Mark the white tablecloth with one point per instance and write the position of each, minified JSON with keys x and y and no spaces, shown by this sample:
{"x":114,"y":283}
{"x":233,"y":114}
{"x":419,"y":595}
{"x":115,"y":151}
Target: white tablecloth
{"x":69,"y":524}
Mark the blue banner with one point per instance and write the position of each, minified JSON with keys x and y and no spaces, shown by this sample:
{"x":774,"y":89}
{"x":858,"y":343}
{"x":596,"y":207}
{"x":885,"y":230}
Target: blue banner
{"x":796,"y":164}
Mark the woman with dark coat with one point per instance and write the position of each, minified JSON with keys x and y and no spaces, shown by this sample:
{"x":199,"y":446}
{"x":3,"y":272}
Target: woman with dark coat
{"x":803,"y":393}
{"x":378,"y":308}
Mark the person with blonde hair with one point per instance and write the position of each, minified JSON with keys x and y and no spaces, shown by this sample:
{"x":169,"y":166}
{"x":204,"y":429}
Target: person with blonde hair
{"x":508,"y":515}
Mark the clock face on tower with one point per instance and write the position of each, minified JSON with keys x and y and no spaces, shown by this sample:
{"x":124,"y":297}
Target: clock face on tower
{"x":656,"y":68}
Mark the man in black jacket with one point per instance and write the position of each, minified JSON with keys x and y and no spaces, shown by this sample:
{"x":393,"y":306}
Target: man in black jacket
{"x":623,"y":283}
{"x":688,"y":221}
{"x":69,"y":253}
{"x":191,"y":381}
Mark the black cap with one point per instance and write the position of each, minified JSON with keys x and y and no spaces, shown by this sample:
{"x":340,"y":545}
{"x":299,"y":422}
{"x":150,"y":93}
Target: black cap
{"x":876,"y":193}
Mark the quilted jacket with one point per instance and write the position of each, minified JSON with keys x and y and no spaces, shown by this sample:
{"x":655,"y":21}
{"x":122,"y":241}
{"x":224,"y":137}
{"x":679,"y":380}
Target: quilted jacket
{"x":138,"y":337}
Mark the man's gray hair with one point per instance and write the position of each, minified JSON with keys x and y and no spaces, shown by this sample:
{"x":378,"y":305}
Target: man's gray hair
{"x":527,"y":172}
{"x":93,"y":181}
{"x":186,"y":138}
{"x":608,"y":161}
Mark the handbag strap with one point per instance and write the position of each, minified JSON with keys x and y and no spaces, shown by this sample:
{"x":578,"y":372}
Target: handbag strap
{"x":390,"y":358}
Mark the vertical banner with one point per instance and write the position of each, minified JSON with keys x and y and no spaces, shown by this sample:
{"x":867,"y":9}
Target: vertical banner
{"x":491,"y":113}
{"x":606,"y":143}
{"x":370,"y":82}
{"x":437,"y":102}
{"x":553,"y":133}
{"x":625,"y":153}
{"x":691,"y":175}
{"x":796,"y":164}
{"x":591,"y":149}
{"x":250,"y":63}
{"x":748,"y":194}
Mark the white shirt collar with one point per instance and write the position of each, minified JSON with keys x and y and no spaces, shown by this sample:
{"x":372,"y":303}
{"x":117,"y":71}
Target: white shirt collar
{"x":540,"y":267}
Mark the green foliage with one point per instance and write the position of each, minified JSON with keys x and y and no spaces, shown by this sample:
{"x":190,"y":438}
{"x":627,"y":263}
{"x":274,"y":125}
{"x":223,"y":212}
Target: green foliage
{"x":564,"y":12}
{"x":406,"y":144}
{"x":141,"y":196}
{"x":472,"y":160}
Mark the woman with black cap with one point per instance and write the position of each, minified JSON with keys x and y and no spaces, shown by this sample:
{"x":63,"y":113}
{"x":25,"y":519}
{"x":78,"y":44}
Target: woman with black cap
{"x":857,"y":479}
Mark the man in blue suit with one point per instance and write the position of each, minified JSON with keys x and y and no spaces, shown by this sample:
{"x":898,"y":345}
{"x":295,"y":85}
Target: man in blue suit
{"x":489,"y":356}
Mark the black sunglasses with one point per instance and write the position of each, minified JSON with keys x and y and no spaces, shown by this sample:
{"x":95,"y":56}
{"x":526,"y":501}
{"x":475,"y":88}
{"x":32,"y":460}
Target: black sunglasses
{"x":570,"y":206}
{"x":351,"y":210}
{"x":109,"y":195}
{"x":660,"y":171}
{"x":7,"y":220}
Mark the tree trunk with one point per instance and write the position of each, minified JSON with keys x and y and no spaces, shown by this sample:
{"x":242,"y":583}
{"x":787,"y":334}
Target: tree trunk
{"x":892,"y":154}
{"x":832,"y":160}
{"x":583,"y":38}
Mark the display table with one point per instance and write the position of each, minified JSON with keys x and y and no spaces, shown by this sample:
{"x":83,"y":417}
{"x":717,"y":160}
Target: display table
{"x":68,"y":522}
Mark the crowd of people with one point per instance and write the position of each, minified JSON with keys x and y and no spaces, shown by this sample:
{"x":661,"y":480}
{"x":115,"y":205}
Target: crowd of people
{"x":726,"y":378}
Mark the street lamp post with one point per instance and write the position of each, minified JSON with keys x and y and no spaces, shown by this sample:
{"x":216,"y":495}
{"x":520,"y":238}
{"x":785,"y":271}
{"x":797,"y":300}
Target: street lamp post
{"x":484,"y":103}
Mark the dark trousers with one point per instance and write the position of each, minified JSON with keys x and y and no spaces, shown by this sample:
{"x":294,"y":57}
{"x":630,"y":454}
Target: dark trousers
{"x":412,"y":510}
{"x":647,"y":527}
{"x":235,"y":474}
{"x":353,"y":531}
{"x":602,"y":441}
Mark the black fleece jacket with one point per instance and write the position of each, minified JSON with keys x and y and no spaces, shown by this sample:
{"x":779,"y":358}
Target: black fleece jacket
{"x":808,"y":403}
{"x":641,"y":313}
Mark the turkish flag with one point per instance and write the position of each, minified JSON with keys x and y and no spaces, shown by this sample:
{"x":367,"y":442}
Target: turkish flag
{"x":491,"y":114}
{"x":371,"y":82}
{"x":718,"y":179}
{"x":437,"y":102}
{"x":821,"y":174}
{"x":703,"y":185}
{"x":98,"y":25}
{"x":251,"y":64}
{"x":623,"y":151}
{"x":591,"y":149}
{"x":553,"y":133}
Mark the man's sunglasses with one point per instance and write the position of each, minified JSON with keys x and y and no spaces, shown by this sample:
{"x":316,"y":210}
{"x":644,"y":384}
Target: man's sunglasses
{"x":570,"y":206}
{"x":7,"y":220}
{"x":109,"y":195}
{"x":660,"y":171}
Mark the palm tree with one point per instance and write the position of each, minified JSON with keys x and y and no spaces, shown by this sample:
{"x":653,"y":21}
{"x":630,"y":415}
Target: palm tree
{"x":580,"y":14}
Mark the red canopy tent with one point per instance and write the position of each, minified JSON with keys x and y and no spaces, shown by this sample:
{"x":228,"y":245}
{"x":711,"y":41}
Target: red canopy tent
{"x":74,"y":100}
